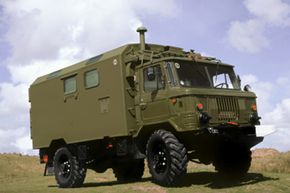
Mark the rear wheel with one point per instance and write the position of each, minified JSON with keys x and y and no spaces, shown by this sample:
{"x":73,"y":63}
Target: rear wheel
{"x":167,"y":158}
{"x":69,"y":171}
{"x":129,"y":171}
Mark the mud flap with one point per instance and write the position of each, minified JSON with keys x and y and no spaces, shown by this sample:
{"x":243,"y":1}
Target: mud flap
{"x":48,"y":170}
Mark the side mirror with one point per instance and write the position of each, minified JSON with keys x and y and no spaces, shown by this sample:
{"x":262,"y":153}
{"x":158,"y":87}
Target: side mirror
{"x":131,"y":81}
{"x":247,"y":88}
{"x":239,"y":81}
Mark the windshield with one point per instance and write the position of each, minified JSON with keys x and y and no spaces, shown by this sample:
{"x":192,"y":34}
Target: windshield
{"x":202,"y":75}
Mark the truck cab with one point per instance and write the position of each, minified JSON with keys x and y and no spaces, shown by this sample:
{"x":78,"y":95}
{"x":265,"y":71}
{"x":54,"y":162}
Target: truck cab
{"x":209,"y":89}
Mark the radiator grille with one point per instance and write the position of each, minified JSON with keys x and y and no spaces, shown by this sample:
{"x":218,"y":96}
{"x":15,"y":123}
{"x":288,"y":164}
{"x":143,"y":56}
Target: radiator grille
{"x":228,"y":108}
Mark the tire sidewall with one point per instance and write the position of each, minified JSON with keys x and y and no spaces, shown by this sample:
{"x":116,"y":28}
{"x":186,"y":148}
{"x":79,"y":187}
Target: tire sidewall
{"x":155,"y":139}
{"x":63,"y":182}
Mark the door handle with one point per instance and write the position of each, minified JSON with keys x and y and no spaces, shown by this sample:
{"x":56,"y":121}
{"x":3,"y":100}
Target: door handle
{"x":143,"y":105}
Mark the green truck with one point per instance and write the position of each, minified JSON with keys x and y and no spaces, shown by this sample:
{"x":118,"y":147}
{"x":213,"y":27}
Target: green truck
{"x":142,"y":101}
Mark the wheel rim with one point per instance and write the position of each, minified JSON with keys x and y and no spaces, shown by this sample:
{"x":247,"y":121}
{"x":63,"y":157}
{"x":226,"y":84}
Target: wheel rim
{"x":159,"y":158}
{"x":64,"y":166}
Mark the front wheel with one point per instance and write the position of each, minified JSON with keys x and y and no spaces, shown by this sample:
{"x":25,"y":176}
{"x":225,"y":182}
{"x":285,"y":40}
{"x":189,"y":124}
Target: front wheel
{"x":167,"y":158}
{"x":69,"y":171}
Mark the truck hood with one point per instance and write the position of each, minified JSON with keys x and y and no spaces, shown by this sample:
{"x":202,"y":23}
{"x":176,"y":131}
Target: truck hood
{"x":222,"y":105}
{"x":178,"y":92}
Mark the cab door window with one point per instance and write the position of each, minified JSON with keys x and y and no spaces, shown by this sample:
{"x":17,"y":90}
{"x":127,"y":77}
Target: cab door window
{"x":172,"y":79}
{"x":153,"y":79}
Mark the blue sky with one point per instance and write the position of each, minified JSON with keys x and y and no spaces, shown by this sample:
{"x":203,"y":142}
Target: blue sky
{"x":37,"y":37}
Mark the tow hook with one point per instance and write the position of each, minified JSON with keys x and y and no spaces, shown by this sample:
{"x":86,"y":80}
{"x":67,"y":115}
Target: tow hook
{"x":213,"y":130}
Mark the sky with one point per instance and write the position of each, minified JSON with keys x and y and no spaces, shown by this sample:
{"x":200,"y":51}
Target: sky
{"x":39,"y":37}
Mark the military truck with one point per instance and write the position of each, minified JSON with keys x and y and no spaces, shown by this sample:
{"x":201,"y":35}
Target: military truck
{"x":143,"y":101}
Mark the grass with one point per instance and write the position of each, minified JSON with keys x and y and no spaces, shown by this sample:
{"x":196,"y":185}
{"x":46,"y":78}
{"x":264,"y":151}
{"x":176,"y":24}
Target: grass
{"x":270,"y":160}
{"x":269,"y":173}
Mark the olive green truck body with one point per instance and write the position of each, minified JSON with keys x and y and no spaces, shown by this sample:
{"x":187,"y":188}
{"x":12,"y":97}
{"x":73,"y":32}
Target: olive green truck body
{"x":88,"y":113}
{"x":115,"y":106}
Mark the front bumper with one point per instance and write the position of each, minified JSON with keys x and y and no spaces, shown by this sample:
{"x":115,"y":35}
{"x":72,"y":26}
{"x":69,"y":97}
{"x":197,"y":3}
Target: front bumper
{"x":243,"y":136}
{"x":210,"y":138}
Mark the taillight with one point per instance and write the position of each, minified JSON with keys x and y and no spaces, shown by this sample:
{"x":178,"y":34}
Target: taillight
{"x":45,"y":158}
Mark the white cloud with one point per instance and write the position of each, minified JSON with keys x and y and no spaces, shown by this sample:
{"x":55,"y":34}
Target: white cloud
{"x":274,"y":12}
{"x":36,"y":68}
{"x":45,"y":36}
{"x":249,"y":79}
{"x":249,"y":36}
{"x":24,"y":144}
{"x":13,"y":98}
{"x":280,"y":114}
{"x":166,"y":8}
{"x":283,"y":81}
{"x":7,"y":138}
{"x":42,"y":28}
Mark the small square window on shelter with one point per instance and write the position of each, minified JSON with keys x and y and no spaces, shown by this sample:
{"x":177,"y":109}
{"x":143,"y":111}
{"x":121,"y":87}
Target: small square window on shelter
{"x":70,"y":85}
{"x":91,"y":78}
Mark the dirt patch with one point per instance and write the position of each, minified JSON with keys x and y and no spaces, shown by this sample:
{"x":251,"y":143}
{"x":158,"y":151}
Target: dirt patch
{"x":155,"y":189}
{"x":100,"y":179}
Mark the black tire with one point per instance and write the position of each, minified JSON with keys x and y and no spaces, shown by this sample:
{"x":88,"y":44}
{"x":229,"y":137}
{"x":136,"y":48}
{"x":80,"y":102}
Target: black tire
{"x":167,"y":158}
{"x":69,"y":171}
{"x":129,"y":171}
{"x":233,"y":160}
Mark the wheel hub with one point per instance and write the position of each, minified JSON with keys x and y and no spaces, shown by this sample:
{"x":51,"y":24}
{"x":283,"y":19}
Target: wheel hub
{"x":160,"y":160}
{"x":65,"y":168}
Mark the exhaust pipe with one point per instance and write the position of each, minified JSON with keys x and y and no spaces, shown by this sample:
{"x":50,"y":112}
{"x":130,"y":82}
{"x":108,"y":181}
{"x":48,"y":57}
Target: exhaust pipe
{"x":142,"y":31}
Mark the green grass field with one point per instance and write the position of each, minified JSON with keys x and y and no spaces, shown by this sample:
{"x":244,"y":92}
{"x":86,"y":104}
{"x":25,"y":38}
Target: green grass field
{"x":270,"y":172}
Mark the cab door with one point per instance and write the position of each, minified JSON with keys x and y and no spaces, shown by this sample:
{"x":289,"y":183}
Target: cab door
{"x":153,"y":100}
